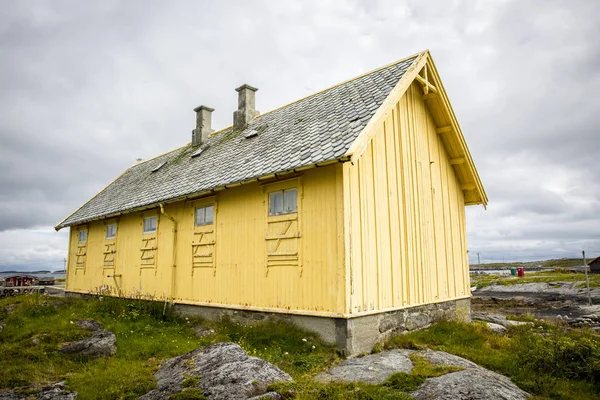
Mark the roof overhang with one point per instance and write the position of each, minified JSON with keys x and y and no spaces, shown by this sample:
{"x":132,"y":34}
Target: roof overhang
{"x":424,"y":72}
{"x":272,"y":176}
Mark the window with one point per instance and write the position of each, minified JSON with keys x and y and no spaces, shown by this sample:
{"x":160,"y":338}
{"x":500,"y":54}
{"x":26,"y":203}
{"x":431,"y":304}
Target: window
{"x":205,"y":215}
{"x":149,"y":224}
{"x":283,"y":202}
{"x":111,"y":231}
{"x":82,"y":236}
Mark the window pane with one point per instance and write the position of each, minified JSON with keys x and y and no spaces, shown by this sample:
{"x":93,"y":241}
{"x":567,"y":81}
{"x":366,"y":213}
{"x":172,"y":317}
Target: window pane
{"x":149,"y":224}
{"x":82,"y":236}
{"x":290,"y":203}
{"x":111,"y":231}
{"x":275,"y":203}
{"x":209,"y":214}
{"x":199,"y":216}
{"x":205,"y":215}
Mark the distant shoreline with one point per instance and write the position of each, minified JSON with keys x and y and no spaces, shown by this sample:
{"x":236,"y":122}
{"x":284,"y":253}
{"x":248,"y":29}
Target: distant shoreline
{"x":38,"y":272}
{"x":543,"y":264}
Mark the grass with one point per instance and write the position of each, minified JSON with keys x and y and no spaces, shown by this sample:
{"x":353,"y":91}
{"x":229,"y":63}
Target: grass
{"x":483,"y":280}
{"x":560,"y":364}
{"x":145,"y":337}
{"x":311,"y":390}
{"x":394,"y":387}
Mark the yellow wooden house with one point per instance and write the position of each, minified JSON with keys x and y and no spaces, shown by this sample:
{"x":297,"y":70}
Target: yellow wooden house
{"x":342,"y":212}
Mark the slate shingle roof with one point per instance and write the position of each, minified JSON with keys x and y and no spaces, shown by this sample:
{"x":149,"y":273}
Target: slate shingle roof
{"x":315,"y":129}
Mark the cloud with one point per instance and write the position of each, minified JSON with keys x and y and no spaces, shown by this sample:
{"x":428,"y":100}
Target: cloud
{"x":89,"y":87}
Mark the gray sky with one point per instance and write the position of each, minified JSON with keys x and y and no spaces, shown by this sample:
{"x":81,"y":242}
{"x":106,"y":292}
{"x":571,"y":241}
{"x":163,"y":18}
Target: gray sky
{"x":88,"y":87}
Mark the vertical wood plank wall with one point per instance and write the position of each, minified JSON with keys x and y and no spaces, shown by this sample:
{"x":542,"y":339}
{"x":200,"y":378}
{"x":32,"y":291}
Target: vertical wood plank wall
{"x":239,"y":276}
{"x":404,"y":216}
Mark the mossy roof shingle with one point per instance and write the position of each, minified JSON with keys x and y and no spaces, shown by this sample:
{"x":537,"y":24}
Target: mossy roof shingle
{"x":315,"y":129}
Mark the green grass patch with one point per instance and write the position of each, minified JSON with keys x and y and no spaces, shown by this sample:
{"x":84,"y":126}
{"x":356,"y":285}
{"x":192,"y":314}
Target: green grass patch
{"x":404,"y":382}
{"x":188,"y":394}
{"x":560,"y":364}
{"x":147,"y":333}
{"x":190,"y":381}
{"x":424,"y":368}
{"x":342,"y":391}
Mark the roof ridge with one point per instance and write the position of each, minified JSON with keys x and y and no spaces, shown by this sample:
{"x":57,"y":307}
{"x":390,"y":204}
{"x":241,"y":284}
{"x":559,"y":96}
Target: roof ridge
{"x":219,"y":131}
{"x":342,"y":83}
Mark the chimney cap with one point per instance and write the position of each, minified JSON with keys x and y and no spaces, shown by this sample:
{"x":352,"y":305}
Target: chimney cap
{"x":203,"y":107}
{"x":246,"y":86}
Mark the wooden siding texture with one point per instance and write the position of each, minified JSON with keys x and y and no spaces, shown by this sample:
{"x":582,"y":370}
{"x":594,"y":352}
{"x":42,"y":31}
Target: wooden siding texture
{"x":404,"y":219}
{"x":230,"y":267}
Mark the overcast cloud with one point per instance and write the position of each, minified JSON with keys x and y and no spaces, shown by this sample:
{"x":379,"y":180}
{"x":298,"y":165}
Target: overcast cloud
{"x":88,"y":87}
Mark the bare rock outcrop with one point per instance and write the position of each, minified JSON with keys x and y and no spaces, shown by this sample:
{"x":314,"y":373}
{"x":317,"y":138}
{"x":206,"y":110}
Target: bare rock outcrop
{"x":374,"y":368}
{"x":53,"y":392}
{"x":469,"y":384}
{"x":101,"y":344}
{"x":56,"y":392}
{"x":496,"y":319}
{"x":89,"y":324}
{"x":222,"y":371}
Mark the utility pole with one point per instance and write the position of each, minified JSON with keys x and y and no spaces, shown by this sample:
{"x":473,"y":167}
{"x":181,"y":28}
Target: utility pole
{"x":478,"y":260}
{"x":587,"y":280}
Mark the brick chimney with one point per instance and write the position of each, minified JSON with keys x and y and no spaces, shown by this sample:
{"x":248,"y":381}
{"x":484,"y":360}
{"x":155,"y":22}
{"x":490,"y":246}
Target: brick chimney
{"x":246,"y":104}
{"x":203,"y":122}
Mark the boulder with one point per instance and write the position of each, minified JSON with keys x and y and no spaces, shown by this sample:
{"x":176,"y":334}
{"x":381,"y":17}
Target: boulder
{"x":517,"y":323}
{"x":223,"y":371}
{"x":11,"y":395}
{"x":204,"y":332}
{"x":53,"y":392}
{"x":102,"y":343}
{"x":497,"y":319}
{"x":89,"y":324}
{"x":443,"y":358}
{"x":374,"y":368}
{"x":267,"y":396}
{"x":56,"y":392}
{"x":496,"y":328}
{"x":469,"y":384}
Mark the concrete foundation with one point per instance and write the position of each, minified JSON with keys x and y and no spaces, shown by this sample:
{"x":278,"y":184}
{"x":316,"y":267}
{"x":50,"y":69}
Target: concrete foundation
{"x":352,"y":336}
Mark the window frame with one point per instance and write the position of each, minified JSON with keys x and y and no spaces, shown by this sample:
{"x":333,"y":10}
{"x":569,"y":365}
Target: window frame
{"x":204,"y":207}
{"x":85,"y":233}
{"x":144,"y":231}
{"x":108,"y":228}
{"x":283,"y":192}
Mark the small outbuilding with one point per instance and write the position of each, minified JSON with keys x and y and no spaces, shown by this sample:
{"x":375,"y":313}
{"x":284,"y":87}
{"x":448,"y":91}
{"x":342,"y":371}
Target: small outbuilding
{"x":19,"y":280}
{"x":594,"y":265}
{"x":46,"y":281}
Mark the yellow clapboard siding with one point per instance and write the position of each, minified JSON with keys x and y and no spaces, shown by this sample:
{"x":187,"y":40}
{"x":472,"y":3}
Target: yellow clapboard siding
{"x":239,"y":273}
{"x":407,"y":241}
{"x":383,"y":231}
